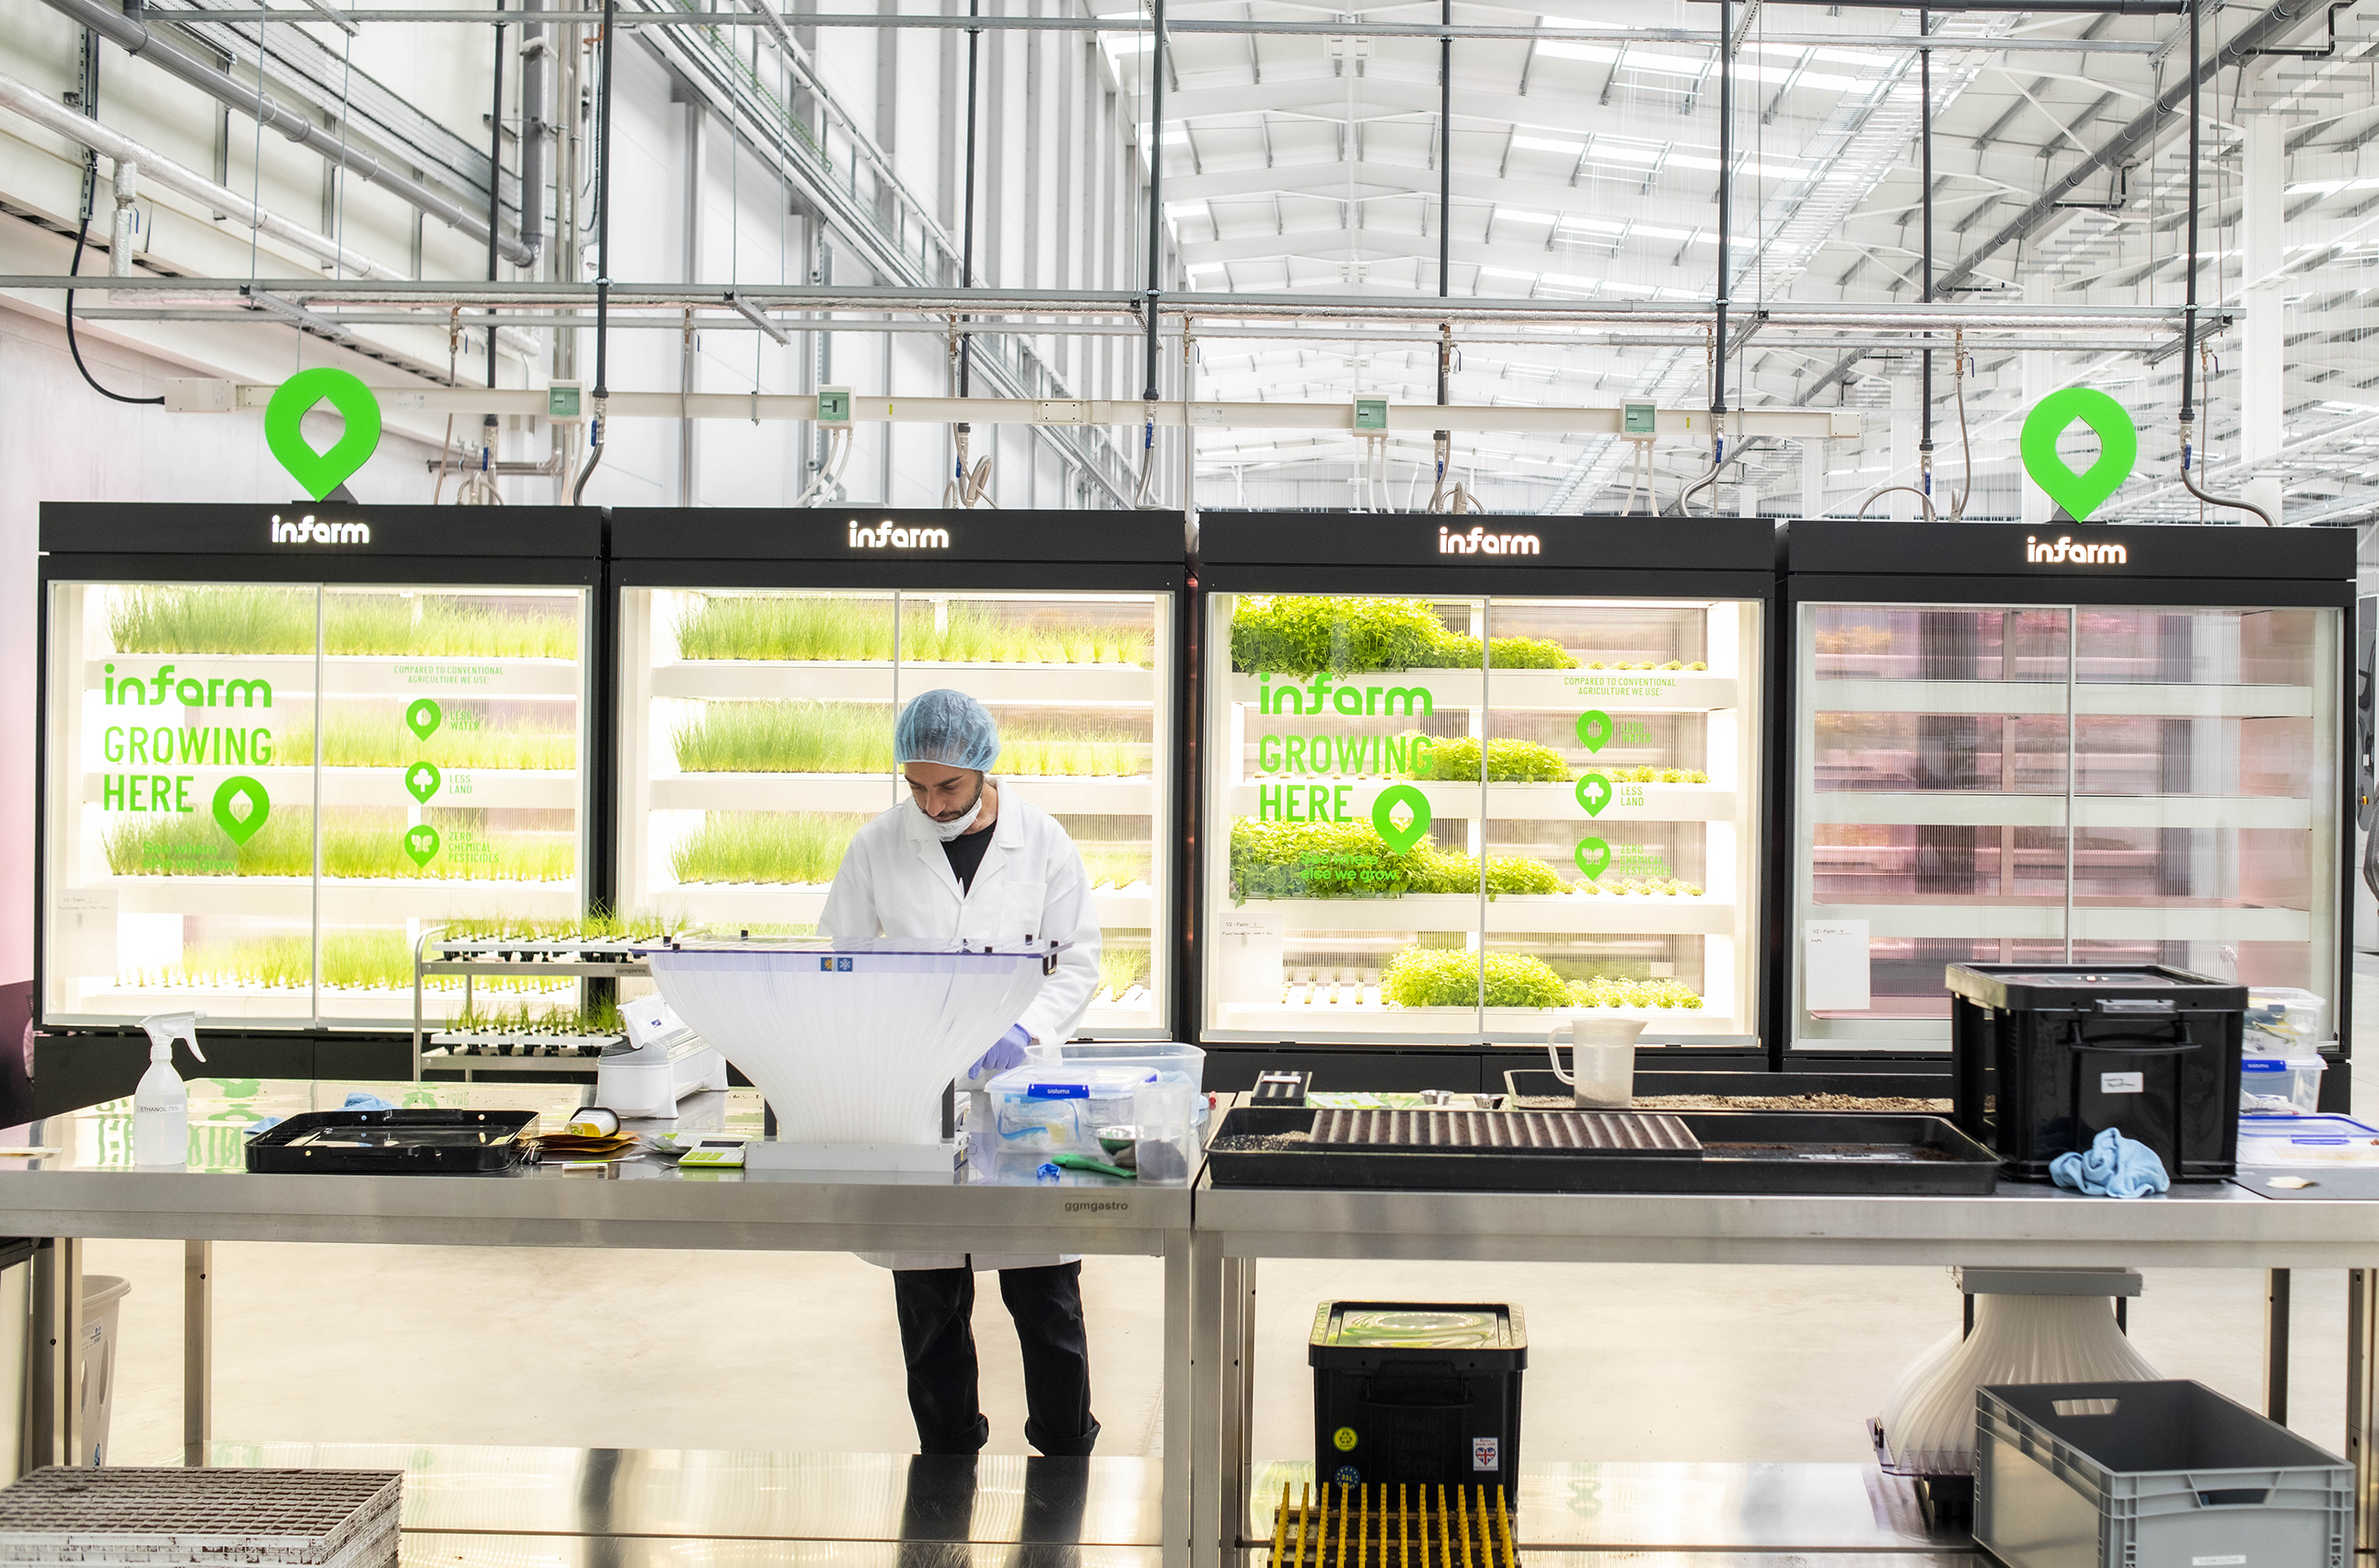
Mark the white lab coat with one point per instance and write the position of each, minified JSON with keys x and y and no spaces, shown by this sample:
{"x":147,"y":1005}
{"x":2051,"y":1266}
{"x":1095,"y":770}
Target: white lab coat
{"x":896,"y":881}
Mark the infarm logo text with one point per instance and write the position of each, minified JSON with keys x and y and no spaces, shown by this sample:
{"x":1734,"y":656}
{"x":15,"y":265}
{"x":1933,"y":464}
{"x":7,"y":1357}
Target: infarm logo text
{"x":1318,"y":696}
{"x":307,"y":531}
{"x":886,"y":536}
{"x":1478,"y":541}
{"x":2065,"y":552}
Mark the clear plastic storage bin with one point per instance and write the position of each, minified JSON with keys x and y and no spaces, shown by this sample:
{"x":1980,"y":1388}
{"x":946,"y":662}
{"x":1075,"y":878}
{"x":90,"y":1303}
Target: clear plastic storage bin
{"x":2280,"y":1086}
{"x":2285,"y":1022}
{"x":1146,"y":1100}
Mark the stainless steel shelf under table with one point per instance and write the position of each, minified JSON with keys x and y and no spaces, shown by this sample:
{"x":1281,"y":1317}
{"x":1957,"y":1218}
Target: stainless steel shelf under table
{"x":90,"y":1188}
{"x":2214,"y":1225}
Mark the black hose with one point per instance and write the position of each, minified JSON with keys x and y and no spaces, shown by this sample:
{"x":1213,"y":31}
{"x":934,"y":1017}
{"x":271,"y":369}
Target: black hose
{"x":603,"y":251}
{"x":73,"y":269}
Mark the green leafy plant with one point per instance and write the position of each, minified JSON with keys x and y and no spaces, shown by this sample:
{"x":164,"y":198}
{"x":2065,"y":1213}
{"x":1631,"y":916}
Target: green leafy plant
{"x":590,"y":1019}
{"x":1449,"y":977}
{"x":1454,"y":760}
{"x":801,"y":736}
{"x":1607,"y":993}
{"x":374,"y":735}
{"x":1305,"y":634}
{"x":1120,"y":968}
{"x":1114,"y":867}
{"x":357,"y":842}
{"x":824,"y":627}
{"x":788,"y":846}
{"x":1655,"y":775}
{"x":1349,"y":860}
{"x":352,"y":960}
{"x":249,"y":620}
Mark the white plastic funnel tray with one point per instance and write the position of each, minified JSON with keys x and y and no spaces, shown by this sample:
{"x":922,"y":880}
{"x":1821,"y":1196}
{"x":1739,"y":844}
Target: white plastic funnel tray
{"x":852,"y":1041}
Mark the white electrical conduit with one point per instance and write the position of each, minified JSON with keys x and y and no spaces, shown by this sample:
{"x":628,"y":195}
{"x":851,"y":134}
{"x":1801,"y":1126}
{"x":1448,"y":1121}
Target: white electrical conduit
{"x":159,"y":170}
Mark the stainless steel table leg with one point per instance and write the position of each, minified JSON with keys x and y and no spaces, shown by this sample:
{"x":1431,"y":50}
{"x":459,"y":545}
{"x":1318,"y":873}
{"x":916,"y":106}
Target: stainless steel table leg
{"x":2275,"y":1345}
{"x":1206,"y":1399}
{"x":2362,"y":1401}
{"x":54,"y":1383}
{"x":1241,"y":1396}
{"x":198,"y":1350}
{"x":1181,"y":1464}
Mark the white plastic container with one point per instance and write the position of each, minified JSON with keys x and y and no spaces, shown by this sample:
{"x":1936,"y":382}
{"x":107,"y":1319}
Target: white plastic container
{"x":103,"y":1312}
{"x":2283,"y":1020}
{"x":2280,"y":1086}
{"x":1602,"y":1058}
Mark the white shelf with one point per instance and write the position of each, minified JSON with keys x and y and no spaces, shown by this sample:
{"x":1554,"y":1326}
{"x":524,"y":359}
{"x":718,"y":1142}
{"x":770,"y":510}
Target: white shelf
{"x":1380,"y":1024}
{"x":386,"y":675}
{"x":1579,"y":912}
{"x":1962,"y":808}
{"x":1038,"y":685}
{"x":2049,"y":697}
{"x":1567,"y":691}
{"x":1978,"y":921}
{"x":1518,"y":803}
{"x":1133,"y":908}
{"x":489,"y":788}
{"x":344,"y":901}
{"x":870,"y":793}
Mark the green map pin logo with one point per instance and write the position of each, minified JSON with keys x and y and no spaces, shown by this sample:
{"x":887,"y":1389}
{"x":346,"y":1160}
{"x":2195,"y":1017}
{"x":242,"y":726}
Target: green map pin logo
{"x":421,"y":781}
{"x":1593,"y":858}
{"x":319,"y":473}
{"x":424,"y":717}
{"x":1593,"y":730}
{"x":421,"y":844}
{"x":241,"y":805}
{"x":1400,"y":840}
{"x":2119,"y":447}
{"x":1594,"y":794}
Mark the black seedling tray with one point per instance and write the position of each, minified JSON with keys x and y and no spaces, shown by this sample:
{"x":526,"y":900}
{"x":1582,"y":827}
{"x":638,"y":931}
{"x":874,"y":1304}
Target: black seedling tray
{"x":413,"y":1141}
{"x":1745,"y":1152}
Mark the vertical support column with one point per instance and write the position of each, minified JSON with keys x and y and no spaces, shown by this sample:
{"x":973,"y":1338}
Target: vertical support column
{"x":2361,"y":1408}
{"x":2039,"y":368}
{"x":1185,"y":1403}
{"x":688,"y":448}
{"x":1903,"y":461}
{"x":2262,"y":381}
{"x":198,"y":1350}
{"x":54,"y":1384}
{"x":1813,"y":479}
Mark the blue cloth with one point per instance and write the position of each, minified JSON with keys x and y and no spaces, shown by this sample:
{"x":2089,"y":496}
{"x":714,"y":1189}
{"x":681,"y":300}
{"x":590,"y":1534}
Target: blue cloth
{"x":358,"y":1100}
{"x":2115,"y":1167}
{"x":946,"y":727}
{"x":1009,"y":1053}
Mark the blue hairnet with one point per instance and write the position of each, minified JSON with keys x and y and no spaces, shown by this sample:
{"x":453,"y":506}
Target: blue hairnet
{"x":946,"y":727}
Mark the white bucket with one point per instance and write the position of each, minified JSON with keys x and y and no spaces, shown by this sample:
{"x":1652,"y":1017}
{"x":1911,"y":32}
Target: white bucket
{"x":1602,"y":1054}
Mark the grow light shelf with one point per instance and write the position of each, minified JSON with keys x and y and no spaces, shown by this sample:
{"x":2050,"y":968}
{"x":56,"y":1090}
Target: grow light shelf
{"x":475,"y":1046}
{"x":459,"y":787}
{"x":1560,"y":691}
{"x":344,"y":901}
{"x":1580,"y":913}
{"x":1975,"y":809}
{"x":1335,"y":1022}
{"x":726,"y":903}
{"x":1517,"y":802}
{"x":873,"y":792}
{"x":2050,"y":697}
{"x":1039,"y":685}
{"x":386,"y":675}
{"x":1986,"y":920}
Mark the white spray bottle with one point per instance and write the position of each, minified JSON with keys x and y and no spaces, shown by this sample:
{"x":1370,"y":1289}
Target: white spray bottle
{"x":160,"y":1106}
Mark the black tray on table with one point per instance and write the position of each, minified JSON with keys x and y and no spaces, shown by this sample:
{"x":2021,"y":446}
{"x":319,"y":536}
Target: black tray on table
{"x":417,"y":1141}
{"x":1741,"y":1152}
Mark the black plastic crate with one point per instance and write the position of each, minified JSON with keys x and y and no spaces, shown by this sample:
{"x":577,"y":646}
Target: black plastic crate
{"x":1425,"y":1392}
{"x":411,"y":1141}
{"x":2047,"y":1057}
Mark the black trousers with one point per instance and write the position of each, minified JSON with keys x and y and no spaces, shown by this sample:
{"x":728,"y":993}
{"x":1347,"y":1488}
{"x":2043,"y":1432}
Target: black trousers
{"x":937,"y":1309}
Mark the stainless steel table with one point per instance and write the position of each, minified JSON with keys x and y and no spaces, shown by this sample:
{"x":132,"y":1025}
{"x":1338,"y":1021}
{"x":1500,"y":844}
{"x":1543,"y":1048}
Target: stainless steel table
{"x":2202,"y":1226}
{"x":88,"y":1187}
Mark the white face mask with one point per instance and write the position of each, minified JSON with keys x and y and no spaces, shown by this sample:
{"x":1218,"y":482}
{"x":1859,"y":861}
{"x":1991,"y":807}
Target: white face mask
{"x":946,"y":831}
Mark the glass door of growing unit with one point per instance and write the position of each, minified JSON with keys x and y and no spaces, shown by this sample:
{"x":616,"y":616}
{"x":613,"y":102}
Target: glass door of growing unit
{"x":259,"y":796}
{"x":1451,"y":819}
{"x":2057,"y":784}
{"x":757,"y":739}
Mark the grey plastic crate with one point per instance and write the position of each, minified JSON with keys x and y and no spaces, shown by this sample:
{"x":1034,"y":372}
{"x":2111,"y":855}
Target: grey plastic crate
{"x":2150,"y":1475}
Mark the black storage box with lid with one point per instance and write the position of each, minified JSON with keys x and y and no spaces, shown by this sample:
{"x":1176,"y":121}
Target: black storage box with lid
{"x":2047,"y":1057}
{"x":1424,"y":1392}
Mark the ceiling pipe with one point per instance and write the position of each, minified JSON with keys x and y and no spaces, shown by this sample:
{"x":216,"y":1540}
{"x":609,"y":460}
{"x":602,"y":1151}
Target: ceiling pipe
{"x":159,"y":170}
{"x":536,"y":55}
{"x":136,"y":40}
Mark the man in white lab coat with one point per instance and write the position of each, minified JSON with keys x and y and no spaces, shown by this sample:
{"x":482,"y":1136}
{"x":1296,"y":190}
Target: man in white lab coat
{"x":962,"y":859}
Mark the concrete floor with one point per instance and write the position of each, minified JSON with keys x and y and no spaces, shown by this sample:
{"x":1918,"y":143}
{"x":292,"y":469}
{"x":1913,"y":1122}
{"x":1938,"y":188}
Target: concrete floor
{"x":719,"y":1350}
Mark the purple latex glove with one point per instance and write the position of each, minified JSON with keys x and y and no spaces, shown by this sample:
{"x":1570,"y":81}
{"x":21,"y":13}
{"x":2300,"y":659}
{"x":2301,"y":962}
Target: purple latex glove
{"x":1009,"y":1053}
